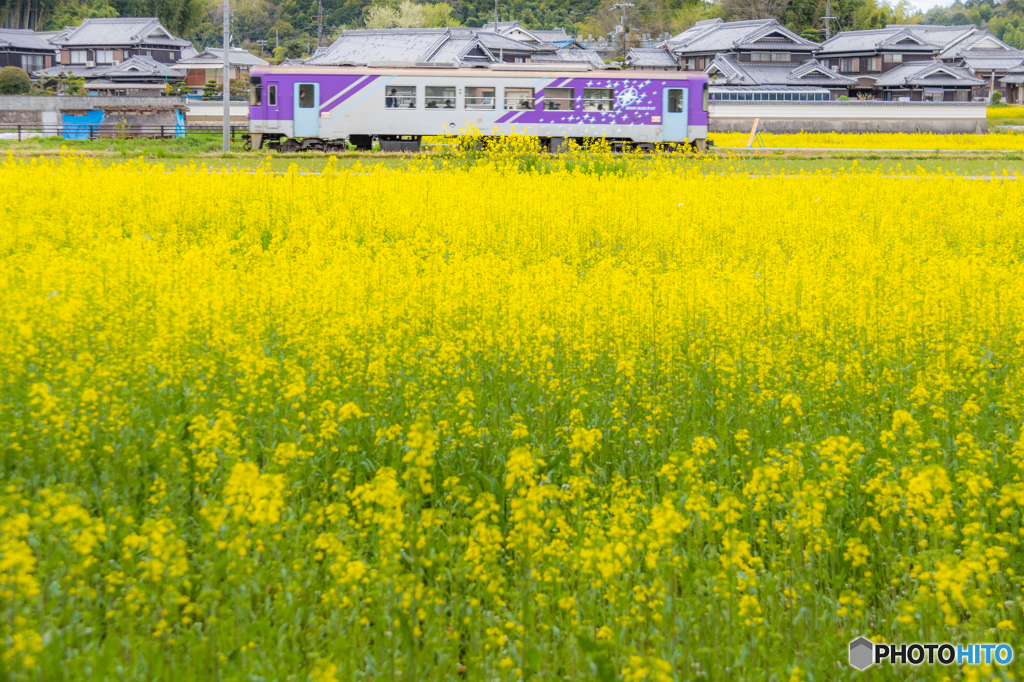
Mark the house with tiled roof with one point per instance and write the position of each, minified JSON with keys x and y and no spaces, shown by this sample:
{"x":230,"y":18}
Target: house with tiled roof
{"x":1013,"y":81}
{"x":651,"y":59}
{"x":756,"y":41}
{"x":25,"y":49}
{"x":209,"y":65}
{"x":136,"y":76}
{"x":975,"y":55}
{"x":360,"y":47}
{"x":727,"y":69}
{"x":108,"y":42}
{"x":756,"y":53}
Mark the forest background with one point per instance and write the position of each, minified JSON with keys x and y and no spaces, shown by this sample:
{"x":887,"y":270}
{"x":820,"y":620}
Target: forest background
{"x":279,"y":29}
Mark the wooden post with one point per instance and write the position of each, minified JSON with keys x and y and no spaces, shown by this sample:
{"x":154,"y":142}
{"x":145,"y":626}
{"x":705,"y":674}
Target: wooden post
{"x":753,"y":132}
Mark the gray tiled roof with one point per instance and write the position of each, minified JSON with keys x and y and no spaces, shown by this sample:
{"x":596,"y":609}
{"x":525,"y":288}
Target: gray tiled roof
{"x":978,"y":40}
{"x":925,"y":73}
{"x":551,"y":36}
{"x":401,"y":45}
{"x":650,"y":57}
{"x":382,"y":45}
{"x":214,"y":57}
{"x":572,"y":56}
{"x":715,"y":35}
{"x":138,"y":67}
{"x":999,"y":60}
{"x":909,"y":38}
{"x":24,"y":39}
{"x":495,"y":42}
{"x":118,"y":32}
{"x":1016,"y":75}
{"x":810,"y":72}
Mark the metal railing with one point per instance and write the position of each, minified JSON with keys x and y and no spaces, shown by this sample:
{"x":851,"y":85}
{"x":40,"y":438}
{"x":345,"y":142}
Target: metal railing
{"x":86,"y":131}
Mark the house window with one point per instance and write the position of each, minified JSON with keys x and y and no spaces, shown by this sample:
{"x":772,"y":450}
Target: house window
{"x":850,"y":64}
{"x":518,"y":98}
{"x":933,"y":95}
{"x":692,"y":64}
{"x":960,"y":96}
{"x":400,"y":97}
{"x":480,"y":98}
{"x":874,"y":63}
{"x":79,"y":56}
{"x":559,"y":99}
{"x":272,"y":95}
{"x":894,"y":58}
{"x":780,"y":56}
{"x":598,"y":99}
{"x":760,"y":56}
{"x":32,"y":62}
{"x":104,"y":56}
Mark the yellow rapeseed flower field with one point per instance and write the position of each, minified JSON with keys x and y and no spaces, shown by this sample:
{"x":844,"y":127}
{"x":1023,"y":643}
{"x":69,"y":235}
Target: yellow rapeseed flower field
{"x":917,"y":141}
{"x":499,"y":419}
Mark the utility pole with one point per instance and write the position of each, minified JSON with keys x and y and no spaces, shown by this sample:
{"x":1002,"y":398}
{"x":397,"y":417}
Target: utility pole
{"x":828,"y":19}
{"x":495,"y":16}
{"x":622,"y":6}
{"x":227,"y":77}
{"x":573,"y":15}
{"x":319,"y":21}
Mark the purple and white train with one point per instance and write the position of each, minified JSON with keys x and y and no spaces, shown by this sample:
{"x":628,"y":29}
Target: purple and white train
{"x":323,"y":107}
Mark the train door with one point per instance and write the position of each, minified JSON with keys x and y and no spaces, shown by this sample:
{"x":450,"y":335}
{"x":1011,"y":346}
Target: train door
{"x":306,"y":110}
{"x":273,"y":107}
{"x":675,"y":119}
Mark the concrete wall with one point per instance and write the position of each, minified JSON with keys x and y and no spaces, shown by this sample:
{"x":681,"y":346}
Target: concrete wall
{"x":88,"y":103}
{"x":209,"y":112}
{"x":850,"y":117}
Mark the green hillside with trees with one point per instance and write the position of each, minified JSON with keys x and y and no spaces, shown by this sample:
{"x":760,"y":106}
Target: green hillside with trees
{"x":288,"y":28}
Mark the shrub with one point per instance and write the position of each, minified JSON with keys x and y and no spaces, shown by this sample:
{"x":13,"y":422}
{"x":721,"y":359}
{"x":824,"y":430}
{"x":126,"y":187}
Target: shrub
{"x":14,"y":81}
{"x":997,"y":97}
{"x":844,"y":98}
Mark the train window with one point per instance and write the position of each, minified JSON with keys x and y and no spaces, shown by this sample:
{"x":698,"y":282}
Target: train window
{"x":480,"y":98}
{"x":559,"y":99}
{"x":400,"y":97}
{"x":272,"y":95}
{"x":306,"y":95}
{"x":257,"y":95}
{"x":440,"y":97}
{"x":675,"y":101}
{"x":598,"y":99}
{"x":519,"y":98}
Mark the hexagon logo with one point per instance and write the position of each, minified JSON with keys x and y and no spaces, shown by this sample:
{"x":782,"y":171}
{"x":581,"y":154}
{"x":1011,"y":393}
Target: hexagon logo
{"x":862,"y":653}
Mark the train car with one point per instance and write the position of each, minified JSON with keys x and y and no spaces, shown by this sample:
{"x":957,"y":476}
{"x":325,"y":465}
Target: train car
{"x":323,"y":107}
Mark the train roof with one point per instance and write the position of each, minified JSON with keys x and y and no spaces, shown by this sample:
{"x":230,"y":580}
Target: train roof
{"x":504,"y":71}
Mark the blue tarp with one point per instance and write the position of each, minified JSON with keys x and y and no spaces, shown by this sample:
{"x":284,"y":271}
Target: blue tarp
{"x":179,"y":125}
{"x":78,"y":127}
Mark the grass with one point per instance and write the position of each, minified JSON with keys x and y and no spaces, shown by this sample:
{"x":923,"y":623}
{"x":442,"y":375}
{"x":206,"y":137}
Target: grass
{"x":206,"y":149}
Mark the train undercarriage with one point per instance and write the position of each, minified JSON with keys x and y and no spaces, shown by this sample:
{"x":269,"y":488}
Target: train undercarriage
{"x":411,"y":143}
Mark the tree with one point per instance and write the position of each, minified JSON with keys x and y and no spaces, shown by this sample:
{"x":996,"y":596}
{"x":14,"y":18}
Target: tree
{"x":410,"y":15}
{"x":14,"y":81}
{"x":738,"y":10}
{"x":211,"y":91}
{"x":293,"y":49}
